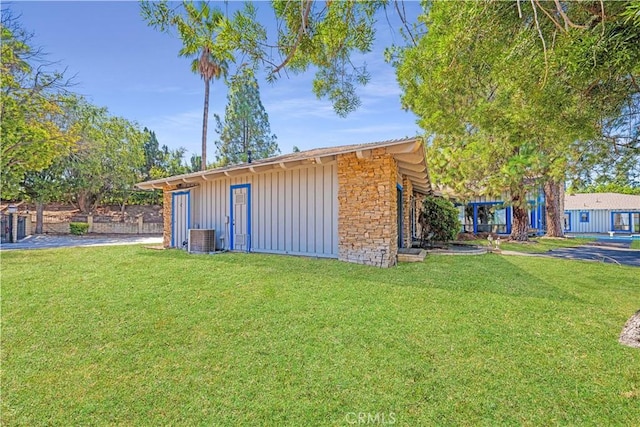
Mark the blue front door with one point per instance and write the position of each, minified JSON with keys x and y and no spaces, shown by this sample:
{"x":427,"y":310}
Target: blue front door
{"x":180,"y":214}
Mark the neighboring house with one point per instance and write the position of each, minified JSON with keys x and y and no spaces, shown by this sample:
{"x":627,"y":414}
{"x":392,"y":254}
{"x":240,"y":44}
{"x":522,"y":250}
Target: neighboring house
{"x":602,"y":213}
{"x":356,"y":203}
{"x":583,"y":213}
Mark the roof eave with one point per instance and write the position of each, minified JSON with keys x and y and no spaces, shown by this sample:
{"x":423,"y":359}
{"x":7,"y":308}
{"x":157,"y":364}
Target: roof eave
{"x":395,"y":147}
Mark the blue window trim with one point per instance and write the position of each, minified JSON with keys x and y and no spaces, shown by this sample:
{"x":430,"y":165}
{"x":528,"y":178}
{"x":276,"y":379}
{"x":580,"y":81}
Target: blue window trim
{"x":400,"y":237}
{"x":412,"y":217}
{"x":475,"y":215}
{"x":629,"y":219}
{"x":569,"y":216}
{"x":587,"y":218}
{"x":533,"y":217}
{"x":173,"y":213}
{"x":475,"y":218}
{"x":536,"y":212}
{"x":234,"y":187}
{"x":541,"y":200}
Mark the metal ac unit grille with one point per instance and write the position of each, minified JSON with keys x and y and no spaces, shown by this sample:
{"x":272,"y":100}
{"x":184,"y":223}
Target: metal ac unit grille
{"x":202,"y":241}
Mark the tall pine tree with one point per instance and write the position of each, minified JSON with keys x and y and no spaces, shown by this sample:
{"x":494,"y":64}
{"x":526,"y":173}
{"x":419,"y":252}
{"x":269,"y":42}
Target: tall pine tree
{"x":245,"y":133}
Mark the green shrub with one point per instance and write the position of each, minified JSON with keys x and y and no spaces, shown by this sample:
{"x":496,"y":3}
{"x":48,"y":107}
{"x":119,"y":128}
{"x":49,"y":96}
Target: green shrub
{"x":78,"y":228}
{"x":439,"y":217}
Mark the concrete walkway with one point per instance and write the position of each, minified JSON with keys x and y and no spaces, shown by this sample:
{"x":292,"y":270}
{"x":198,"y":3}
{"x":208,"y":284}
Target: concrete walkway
{"x":47,"y":241}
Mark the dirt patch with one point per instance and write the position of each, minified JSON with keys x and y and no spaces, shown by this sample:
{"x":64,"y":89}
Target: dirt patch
{"x":466,"y":236}
{"x":156,"y":247}
{"x":630,"y":335}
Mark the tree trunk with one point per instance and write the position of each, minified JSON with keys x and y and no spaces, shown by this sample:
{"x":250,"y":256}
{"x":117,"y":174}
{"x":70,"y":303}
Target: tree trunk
{"x":82,"y":203}
{"x":520,"y":225}
{"x":95,"y":202}
{"x":86,"y":201}
{"x":39,"y":216}
{"x":554,"y":208}
{"x":205,"y":119}
{"x":122,"y":208}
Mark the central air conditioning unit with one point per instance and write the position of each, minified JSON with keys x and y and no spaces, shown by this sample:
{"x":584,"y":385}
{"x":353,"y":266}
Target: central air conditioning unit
{"x":201,"y":241}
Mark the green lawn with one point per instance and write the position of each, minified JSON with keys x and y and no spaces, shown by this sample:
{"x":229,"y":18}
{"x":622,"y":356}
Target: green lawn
{"x":635,"y":244}
{"x":132,"y":336}
{"x":541,"y":244}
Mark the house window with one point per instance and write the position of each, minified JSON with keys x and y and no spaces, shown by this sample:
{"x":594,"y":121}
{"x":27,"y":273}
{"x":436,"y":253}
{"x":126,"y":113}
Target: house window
{"x":584,"y":216}
{"x":491,"y":218}
{"x":461,"y":217}
{"x":621,"y":221}
{"x":467,"y":222}
{"x":567,"y":221}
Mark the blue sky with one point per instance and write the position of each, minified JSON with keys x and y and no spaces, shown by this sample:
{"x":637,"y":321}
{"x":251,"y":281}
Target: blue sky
{"x":135,"y":72}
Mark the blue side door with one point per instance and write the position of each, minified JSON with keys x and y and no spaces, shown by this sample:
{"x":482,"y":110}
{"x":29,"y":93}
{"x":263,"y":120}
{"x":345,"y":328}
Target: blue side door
{"x":241,"y":217}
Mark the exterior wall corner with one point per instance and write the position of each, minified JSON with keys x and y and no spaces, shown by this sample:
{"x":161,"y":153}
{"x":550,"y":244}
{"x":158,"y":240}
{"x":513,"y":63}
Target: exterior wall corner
{"x":166,"y":215}
{"x":367,"y":209}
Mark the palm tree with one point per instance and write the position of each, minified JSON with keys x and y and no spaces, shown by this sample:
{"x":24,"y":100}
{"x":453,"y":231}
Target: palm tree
{"x":198,"y":31}
{"x":198,"y":28}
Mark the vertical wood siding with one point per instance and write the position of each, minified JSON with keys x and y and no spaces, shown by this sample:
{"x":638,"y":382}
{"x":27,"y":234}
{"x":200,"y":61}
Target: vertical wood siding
{"x":292,"y":211}
{"x":599,"y":220}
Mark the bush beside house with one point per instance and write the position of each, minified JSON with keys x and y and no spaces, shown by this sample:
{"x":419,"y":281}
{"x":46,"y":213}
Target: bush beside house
{"x":439,"y":219}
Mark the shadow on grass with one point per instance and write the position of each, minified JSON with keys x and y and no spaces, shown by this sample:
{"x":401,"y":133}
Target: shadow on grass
{"x":486,"y":273}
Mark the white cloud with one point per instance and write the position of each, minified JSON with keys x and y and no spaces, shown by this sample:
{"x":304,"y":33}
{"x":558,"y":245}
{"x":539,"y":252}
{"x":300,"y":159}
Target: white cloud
{"x":400,"y":130}
{"x":299,"y":107}
{"x":180,"y":121}
{"x":155,"y":89}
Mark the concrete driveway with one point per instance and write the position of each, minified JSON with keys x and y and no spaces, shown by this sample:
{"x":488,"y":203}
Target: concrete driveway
{"x":600,"y":251}
{"x":45,"y":241}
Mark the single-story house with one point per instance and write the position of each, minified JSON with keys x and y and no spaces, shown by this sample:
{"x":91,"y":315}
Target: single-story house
{"x":356,"y":203}
{"x":583,"y":213}
{"x":602,"y":213}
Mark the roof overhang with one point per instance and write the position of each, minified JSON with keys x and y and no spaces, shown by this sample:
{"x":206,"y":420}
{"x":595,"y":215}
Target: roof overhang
{"x":412,"y":163}
{"x":409,"y":154}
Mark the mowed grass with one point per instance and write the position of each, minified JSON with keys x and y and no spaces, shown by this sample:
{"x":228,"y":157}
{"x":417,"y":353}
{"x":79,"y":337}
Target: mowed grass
{"x":635,"y":244}
{"x":131,"y":336}
{"x":542,"y":244}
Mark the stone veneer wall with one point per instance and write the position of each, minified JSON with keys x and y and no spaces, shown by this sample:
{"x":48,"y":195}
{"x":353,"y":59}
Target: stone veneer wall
{"x":367,"y":209}
{"x":407,"y":196}
{"x":166,"y":215}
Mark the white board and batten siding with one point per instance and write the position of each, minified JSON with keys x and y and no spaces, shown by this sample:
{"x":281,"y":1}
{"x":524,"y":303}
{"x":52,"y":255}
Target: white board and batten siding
{"x":599,"y":221}
{"x":293,"y":211}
